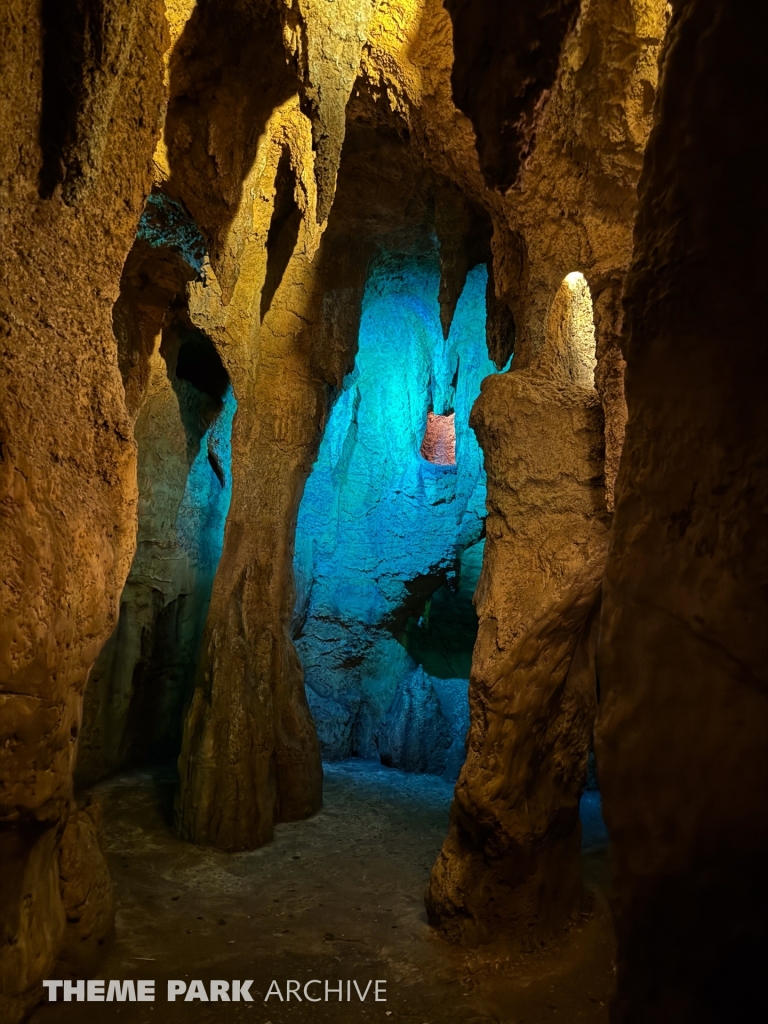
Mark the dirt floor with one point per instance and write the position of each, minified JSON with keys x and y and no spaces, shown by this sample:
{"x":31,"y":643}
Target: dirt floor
{"x":337,"y":897}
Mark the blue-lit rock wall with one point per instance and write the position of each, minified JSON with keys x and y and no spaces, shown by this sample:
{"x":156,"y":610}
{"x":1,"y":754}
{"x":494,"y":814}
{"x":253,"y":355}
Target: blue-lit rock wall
{"x":203,"y":511}
{"x":185,"y":405}
{"x":381,"y":529}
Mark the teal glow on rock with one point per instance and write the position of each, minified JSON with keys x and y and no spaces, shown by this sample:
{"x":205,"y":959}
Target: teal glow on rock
{"x":380,"y":528}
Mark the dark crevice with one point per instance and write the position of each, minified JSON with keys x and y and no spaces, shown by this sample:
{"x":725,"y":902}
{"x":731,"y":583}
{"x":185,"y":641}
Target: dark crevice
{"x":66,"y":23}
{"x":199,"y":363}
{"x":283,"y":230}
{"x":215,"y":464}
{"x":499,"y":325}
{"x":200,"y":382}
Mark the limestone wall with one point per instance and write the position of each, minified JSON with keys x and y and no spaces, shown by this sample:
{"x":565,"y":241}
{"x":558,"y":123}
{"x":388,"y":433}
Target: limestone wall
{"x":79,"y":128}
{"x":681,"y":740}
{"x":381,"y":527}
{"x":510,"y":868}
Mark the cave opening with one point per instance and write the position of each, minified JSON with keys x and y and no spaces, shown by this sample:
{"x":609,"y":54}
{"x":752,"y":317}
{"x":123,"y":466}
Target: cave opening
{"x":133,"y":712}
{"x":180,"y":395}
{"x":389,"y":535}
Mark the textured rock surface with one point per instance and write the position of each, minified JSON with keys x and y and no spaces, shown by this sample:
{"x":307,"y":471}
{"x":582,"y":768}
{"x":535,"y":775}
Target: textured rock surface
{"x":281,"y":300}
{"x":571,"y":210}
{"x":138,"y":686}
{"x":237,"y":152}
{"x":79,"y":116}
{"x":510,"y":867}
{"x":299,"y":135}
{"x":573,"y":205}
{"x":326,"y":39}
{"x":381,"y":527}
{"x":507,"y":59}
{"x":415,"y":733}
{"x":683,"y":723}
{"x":86,"y":890}
{"x":179,"y":391}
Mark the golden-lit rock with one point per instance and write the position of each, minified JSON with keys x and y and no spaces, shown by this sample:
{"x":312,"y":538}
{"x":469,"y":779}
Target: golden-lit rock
{"x":86,"y":891}
{"x":79,"y":127}
{"x":683,"y":658}
{"x":510,"y":869}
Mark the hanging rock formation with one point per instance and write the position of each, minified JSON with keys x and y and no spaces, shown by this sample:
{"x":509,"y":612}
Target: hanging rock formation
{"x":507,"y":60}
{"x":573,"y":204}
{"x":326,"y":38}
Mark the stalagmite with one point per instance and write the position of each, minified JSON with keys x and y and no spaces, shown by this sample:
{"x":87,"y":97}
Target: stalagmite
{"x":511,"y":864}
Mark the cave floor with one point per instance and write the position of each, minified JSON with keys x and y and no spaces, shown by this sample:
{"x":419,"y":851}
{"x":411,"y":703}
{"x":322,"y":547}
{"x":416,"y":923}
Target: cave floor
{"x":338,"y":896}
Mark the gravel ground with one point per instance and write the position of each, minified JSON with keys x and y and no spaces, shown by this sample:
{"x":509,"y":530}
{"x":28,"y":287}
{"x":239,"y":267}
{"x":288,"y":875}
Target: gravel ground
{"x":337,"y":897}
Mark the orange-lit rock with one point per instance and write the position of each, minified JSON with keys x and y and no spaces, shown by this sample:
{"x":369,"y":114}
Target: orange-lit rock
{"x":439,"y":444}
{"x":80,"y":126}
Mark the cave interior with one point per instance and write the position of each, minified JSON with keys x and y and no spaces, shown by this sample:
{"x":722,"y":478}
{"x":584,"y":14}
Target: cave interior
{"x":383,"y":456}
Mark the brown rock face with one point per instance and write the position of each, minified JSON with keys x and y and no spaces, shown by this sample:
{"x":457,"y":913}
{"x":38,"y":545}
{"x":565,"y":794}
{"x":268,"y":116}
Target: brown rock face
{"x":573,"y":206}
{"x":511,"y":866}
{"x":507,"y":59}
{"x":681,"y":742}
{"x":250,"y":755}
{"x":138,"y":685}
{"x":326,"y":40}
{"x":81,"y":94}
{"x":141,"y":680}
{"x":86,"y":891}
{"x":514,"y":822}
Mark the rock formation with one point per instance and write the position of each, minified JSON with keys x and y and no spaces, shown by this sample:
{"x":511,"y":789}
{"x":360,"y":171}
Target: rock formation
{"x":381,"y":527}
{"x":80,"y":120}
{"x":203,"y":202}
{"x":681,"y":741}
{"x":138,"y":686}
{"x":511,"y":864}
{"x":86,"y":890}
{"x":681,"y":731}
{"x":558,"y":220}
